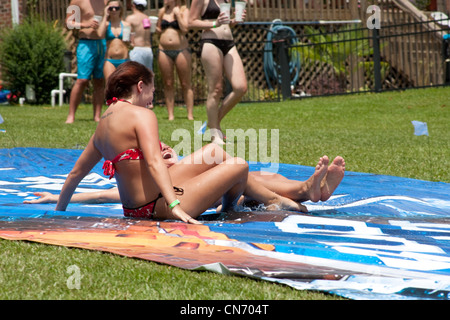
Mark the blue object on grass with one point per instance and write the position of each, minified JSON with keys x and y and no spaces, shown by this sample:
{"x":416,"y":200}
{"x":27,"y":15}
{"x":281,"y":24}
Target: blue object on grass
{"x":4,"y":95}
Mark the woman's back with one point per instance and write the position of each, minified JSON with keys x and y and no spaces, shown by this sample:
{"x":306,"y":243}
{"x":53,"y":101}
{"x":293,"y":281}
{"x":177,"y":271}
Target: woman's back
{"x":115,"y":134}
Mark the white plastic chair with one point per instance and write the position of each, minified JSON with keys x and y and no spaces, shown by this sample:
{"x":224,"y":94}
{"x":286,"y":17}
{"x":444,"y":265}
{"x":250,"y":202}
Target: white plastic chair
{"x":441,"y":18}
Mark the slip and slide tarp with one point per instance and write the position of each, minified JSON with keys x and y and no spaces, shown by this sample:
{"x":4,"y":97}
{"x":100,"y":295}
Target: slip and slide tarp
{"x":378,"y":237}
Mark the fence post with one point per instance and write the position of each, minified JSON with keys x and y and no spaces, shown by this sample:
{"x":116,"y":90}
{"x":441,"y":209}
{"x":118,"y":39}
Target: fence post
{"x":284,"y":66}
{"x":281,"y":45}
{"x":376,"y":60}
{"x":446,"y":57}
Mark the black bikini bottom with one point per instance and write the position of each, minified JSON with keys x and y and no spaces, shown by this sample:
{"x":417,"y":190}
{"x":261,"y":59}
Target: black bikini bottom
{"x":223,"y":45}
{"x":173,"y":54}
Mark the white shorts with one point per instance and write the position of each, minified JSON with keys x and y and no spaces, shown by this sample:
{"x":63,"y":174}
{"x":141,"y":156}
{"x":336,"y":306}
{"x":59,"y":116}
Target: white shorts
{"x":142,"y":55}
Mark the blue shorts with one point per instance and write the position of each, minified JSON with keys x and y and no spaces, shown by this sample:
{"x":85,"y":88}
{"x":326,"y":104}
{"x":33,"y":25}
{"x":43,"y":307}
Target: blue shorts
{"x":90,"y":58}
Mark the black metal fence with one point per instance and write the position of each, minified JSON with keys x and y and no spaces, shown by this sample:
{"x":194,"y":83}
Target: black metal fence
{"x":352,"y":60}
{"x":295,"y":60}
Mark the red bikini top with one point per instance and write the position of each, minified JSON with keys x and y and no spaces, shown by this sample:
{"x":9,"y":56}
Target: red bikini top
{"x":130,"y":154}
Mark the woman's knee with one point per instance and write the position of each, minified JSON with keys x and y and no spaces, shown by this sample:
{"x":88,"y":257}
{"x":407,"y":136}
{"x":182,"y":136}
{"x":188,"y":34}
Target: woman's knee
{"x":216,"y":152}
{"x":185,"y":84}
{"x":82,"y":82}
{"x":239,"y":165}
{"x":216,"y":92}
{"x":240,"y":89}
{"x":169,"y":84}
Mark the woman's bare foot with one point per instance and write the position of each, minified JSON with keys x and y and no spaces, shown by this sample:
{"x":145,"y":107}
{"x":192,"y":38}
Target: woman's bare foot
{"x":70,"y":119}
{"x":314,"y":182}
{"x":333,"y":178}
{"x":217,"y":136}
{"x":283,"y":203}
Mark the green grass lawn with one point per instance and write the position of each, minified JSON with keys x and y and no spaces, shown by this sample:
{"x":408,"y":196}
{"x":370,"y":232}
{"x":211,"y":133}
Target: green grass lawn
{"x":373,"y":132}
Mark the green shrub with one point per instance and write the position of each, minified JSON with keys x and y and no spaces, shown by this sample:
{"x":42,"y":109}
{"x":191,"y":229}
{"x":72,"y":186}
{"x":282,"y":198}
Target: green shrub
{"x":32,"y":53}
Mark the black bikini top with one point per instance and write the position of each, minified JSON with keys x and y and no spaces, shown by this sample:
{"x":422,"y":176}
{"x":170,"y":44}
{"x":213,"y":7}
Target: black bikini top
{"x":212,"y":10}
{"x":172,"y":24}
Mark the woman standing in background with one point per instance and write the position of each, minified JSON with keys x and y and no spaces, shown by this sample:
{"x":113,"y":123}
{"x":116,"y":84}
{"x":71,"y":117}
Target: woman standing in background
{"x":112,"y":27}
{"x":219,"y":55}
{"x":173,"y":53}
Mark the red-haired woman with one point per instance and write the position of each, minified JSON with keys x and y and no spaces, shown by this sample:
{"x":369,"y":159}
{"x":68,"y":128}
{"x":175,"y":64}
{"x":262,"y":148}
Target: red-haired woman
{"x":132,"y":151}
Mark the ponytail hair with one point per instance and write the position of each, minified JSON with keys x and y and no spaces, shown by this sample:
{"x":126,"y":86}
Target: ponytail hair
{"x":122,"y":80}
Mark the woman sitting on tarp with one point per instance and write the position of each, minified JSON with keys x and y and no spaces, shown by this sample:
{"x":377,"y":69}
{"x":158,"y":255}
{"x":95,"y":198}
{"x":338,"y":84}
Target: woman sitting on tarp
{"x":127,"y":138}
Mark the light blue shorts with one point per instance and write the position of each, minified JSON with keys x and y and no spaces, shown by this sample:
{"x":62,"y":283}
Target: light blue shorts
{"x":142,"y":55}
{"x":90,"y":58}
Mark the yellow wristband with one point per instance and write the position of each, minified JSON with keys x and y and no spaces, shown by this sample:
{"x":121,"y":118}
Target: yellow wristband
{"x":173,"y":204}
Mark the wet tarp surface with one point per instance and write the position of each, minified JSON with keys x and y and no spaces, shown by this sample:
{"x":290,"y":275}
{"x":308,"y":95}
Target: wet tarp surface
{"x":378,"y":237}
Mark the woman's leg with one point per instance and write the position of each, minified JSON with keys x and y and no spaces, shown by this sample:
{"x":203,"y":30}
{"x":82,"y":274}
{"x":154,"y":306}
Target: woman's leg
{"x":234,"y":72}
{"x":166,"y":66}
{"x":335,"y":174}
{"x":292,"y":189}
{"x":197,"y":163}
{"x":227,"y":180}
{"x":212,"y":61}
{"x":317,"y":187}
{"x":108,"y":68}
{"x":75,"y":98}
{"x":98,"y":97}
{"x":183,"y":64}
{"x":212,"y":155}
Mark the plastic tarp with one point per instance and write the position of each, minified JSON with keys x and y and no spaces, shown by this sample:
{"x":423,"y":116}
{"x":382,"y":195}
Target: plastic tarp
{"x":378,"y":237}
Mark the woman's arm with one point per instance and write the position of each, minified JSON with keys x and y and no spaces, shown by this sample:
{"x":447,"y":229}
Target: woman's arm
{"x":195,"y":12}
{"x":87,"y":160}
{"x":195,"y":21}
{"x":158,"y":24}
{"x":148,"y":139}
{"x":103,"y":196}
{"x":101,"y":30}
{"x":182,"y":15}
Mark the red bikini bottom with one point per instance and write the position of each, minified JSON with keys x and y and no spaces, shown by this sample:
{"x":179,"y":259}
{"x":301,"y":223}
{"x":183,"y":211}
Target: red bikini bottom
{"x":147,"y":211}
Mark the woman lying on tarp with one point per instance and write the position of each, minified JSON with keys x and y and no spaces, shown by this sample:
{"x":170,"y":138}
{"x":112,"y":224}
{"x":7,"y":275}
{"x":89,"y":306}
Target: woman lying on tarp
{"x":127,"y":138}
{"x":298,"y":191}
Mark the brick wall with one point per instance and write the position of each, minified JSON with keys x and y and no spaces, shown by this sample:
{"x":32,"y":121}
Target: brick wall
{"x":5,"y":12}
{"x":6,"y":17}
{"x":443,"y":5}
